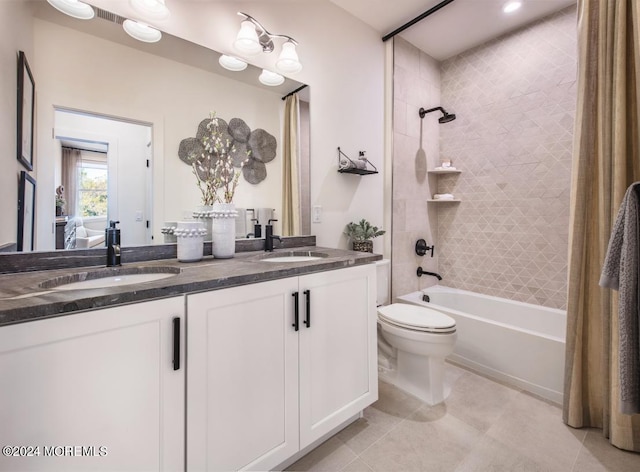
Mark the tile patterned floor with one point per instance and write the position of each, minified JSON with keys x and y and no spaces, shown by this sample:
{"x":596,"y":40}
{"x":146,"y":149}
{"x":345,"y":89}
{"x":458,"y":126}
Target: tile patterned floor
{"x":482,"y":426}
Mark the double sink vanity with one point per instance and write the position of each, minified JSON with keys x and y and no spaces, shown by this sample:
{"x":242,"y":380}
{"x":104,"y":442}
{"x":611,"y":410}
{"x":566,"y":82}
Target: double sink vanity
{"x":222,"y":364}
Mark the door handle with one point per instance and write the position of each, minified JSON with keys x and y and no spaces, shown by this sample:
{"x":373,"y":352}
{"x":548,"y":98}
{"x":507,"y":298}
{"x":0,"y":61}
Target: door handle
{"x":176,"y":343}
{"x":296,"y":313}
{"x":307,"y":320}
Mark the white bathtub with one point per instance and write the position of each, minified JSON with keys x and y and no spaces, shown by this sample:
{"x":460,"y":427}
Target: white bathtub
{"x":516,"y":343}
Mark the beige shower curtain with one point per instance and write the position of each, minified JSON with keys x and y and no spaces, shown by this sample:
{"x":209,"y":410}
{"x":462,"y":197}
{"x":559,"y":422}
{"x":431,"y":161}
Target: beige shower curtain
{"x":606,"y":160}
{"x":71,"y":159}
{"x":290,"y":179}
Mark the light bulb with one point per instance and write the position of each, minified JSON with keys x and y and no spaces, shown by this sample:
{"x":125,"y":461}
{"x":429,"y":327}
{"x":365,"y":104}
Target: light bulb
{"x":288,"y":60}
{"x":510,"y":7}
{"x":247,"y":39}
{"x":270,"y":78}
{"x":73,"y":8}
{"x":152,"y":9}
{"x":141,"y":32}
{"x":232,"y":63}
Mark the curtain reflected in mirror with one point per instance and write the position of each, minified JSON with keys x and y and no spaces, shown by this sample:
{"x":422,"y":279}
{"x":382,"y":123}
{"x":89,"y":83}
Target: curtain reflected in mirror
{"x":290,"y":168}
{"x":70,"y":160}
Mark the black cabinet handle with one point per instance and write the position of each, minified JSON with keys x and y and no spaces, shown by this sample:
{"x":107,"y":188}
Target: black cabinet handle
{"x":296,"y":313}
{"x":176,"y":343}
{"x":307,"y":320}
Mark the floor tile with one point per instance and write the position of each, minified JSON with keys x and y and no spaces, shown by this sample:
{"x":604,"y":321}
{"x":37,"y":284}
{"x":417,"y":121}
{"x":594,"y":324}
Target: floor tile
{"x":429,"y":440}
{"x":598,"y":455}
{"x":357,"y":466}
{"x":395,"y":402}
{"x":534,"y":428}
{"x":482,"y":427}
{"x":479,"y":401}
{"x":490,"y":455}
{"x":393,"y":405}
{"x":331,"y":455}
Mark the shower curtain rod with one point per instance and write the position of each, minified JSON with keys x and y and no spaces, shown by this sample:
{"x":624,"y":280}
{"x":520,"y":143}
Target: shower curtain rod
{"x":295,"y":91}
{"x":83,"y":149}
{"x":416,"y":19}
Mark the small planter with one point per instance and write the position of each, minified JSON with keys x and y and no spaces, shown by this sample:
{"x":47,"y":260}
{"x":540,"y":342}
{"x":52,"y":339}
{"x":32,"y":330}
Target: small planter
{"x":362,"y":234}
{"x":363,"y":246}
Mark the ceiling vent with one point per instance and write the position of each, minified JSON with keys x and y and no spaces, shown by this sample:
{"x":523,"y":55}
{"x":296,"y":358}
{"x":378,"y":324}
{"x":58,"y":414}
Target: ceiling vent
{"x":107,"y":15}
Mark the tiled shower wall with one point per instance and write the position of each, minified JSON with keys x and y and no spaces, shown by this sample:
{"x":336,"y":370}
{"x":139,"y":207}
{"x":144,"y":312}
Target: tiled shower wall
{"x":515,"y":102}
{"x":415,"y":149}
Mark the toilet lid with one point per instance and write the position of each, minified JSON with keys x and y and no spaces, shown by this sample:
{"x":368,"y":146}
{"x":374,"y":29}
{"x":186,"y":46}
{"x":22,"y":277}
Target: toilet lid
{"x":417,"y":318}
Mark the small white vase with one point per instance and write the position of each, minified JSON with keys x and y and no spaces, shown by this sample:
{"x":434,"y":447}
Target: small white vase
{"x":190,"y":236}
{"x":168,"y":230}
{"x":204,"y":213}
{"x":223,"y":231}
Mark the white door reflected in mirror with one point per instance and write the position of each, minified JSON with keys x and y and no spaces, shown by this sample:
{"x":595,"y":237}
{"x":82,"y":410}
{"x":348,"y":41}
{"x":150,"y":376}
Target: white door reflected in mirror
{"x":103,"y":166}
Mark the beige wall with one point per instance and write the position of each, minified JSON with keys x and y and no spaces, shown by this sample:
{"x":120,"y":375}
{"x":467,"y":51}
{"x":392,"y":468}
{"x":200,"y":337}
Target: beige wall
{"x":15,"y":22}
{"x":415,"y":150}
{"x":515,"y":100}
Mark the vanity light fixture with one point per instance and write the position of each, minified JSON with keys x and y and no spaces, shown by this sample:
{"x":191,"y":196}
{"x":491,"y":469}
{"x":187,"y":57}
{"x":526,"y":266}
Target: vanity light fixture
{"x":232,"y":63}
{"x":511,"y":6}
{"x":141,"y":32}
{"x":151,"y":9}
{"x":74,"y":8}
{"x":253,"y":38}
{"x":270,"y":78}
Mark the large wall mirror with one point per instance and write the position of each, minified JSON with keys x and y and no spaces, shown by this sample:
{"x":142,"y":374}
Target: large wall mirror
{"x":119,"y":109}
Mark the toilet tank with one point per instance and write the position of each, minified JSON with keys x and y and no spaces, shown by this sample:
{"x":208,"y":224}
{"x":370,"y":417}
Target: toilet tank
{"x":383,"y":277}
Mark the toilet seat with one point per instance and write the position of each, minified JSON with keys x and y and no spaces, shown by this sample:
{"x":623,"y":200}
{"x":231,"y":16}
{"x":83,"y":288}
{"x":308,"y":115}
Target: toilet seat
{"x":417,"y":318}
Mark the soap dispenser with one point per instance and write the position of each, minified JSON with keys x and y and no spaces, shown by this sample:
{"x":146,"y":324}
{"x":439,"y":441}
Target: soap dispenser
{"x":257,"y":228}
{"x":112,"y":239}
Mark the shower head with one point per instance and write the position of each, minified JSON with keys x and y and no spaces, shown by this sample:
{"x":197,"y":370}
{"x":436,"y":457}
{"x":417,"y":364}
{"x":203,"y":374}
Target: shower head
{"x":445,"y":118}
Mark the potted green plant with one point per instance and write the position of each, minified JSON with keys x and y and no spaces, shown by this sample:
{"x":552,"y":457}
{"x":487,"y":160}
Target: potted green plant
{"x":361,"y":235}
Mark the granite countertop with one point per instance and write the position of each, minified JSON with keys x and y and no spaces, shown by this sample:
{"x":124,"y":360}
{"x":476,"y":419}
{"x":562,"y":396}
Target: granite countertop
{"x":23,"y":298}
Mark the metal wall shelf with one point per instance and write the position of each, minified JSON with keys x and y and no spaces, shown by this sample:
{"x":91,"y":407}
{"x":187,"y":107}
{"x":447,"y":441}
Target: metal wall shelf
{"x":357,"y":171}
{"x":352,"y":167}
{"x":444,"y":171}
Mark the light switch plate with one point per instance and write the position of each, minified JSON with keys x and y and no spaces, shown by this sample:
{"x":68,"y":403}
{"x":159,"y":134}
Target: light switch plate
{"x":316,"y":214}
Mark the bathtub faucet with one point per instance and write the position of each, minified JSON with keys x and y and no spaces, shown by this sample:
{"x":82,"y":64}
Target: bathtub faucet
{"x":421,"y":272}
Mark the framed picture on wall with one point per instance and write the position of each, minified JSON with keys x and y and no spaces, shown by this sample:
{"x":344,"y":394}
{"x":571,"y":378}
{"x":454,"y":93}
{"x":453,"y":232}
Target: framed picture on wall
{"x":26,"y":212}
{"x":26,"y":107}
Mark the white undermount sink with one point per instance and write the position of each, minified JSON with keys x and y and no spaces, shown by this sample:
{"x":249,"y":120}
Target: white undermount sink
{"x":110,"y":278}
{"x":291,"y":259}
{"x":295,"y":256}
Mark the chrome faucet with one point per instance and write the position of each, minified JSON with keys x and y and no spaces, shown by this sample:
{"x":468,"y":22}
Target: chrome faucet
{"x":269,"y":236}
{"x":421,"y":272}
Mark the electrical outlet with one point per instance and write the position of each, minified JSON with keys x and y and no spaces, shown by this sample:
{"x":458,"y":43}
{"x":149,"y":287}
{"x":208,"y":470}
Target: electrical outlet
{"x":316,"y":213}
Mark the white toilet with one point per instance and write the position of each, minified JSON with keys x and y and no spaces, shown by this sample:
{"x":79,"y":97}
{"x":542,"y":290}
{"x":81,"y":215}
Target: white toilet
{"x":413,"y":342}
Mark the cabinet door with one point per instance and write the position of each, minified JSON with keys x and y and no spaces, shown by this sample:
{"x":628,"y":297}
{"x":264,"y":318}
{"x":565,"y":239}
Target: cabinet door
{"x":94,"y":390}
{"x":242,"y":381}
{"x":338,"y":363}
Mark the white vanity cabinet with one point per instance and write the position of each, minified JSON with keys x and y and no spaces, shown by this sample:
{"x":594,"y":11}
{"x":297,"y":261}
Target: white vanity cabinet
{"x":95,"y":390}
{"x":268,"y":376}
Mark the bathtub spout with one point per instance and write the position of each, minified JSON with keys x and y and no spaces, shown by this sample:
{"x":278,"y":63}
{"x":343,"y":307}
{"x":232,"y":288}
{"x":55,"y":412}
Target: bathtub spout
{"x":421,"y":272}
